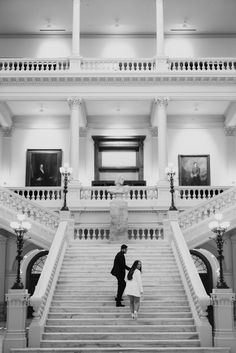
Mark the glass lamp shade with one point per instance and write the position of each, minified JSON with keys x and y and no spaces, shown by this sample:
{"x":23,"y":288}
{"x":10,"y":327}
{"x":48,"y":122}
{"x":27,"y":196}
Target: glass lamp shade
{"x":170,"y":169}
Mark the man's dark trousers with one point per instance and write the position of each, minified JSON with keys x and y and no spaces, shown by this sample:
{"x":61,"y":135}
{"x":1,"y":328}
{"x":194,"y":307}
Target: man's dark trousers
{"x":120,"y":289}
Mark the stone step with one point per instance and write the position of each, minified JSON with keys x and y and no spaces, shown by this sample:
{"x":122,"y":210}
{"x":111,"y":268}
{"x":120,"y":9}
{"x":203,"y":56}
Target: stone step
{"x":121,"y":328}
{"x":109,"y":290}
{"x":124,"y":350}
{"x":118,"y":315}
{"x":73,"y":295}
{"x":104,"y":282}
{"x":109,"y":303}
{"x":106,"y":309}
{"x":121,"y":336}
{"x":120,"y":343}
{"x":122,"y":321}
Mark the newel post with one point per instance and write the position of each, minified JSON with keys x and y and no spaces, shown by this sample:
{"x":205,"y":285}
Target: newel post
{"x":224,"y":332}
{"x":15,"y":336}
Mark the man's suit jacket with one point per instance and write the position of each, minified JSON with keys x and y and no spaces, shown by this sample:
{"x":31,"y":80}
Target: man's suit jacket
{"x":119,"y":266}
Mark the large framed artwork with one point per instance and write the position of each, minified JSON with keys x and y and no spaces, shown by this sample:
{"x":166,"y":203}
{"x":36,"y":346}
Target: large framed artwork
{"x":194,"y":170}
{"x":42,"y":167}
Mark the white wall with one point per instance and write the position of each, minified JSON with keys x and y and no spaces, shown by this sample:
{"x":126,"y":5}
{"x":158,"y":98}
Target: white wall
{"x":117,"y":47}
{"x":201,"y":141}
{"x":212,"y":141}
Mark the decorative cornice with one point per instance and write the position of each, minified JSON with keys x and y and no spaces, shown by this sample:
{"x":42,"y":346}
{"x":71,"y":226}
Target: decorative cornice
{"x":230,"y":130}
{"x":108,"y":79}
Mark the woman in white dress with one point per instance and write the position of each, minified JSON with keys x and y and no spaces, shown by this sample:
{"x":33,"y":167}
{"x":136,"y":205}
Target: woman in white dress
{"x":134,"y":287}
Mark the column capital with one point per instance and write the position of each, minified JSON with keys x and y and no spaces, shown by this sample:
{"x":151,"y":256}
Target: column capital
{"x":230,"y":130}
{"x":161,"y":101}
{"x":74,"y":102}
{"x":7,"y":131}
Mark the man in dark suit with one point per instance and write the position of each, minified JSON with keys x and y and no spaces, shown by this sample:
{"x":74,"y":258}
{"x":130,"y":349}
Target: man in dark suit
{"x":118,"y":271}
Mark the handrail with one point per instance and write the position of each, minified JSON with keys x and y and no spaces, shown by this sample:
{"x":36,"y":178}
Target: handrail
{"x":33,"y":211}
{"x":207,"y":208}
{"x":42,"y":296}
{"x":198,"y":298}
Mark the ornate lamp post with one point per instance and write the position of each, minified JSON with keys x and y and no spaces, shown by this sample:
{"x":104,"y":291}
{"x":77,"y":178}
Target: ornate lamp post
{"x":20,"y":227}
{"x":170,"y":172}
{"x":219,"y":228}
{"x":66,"y":172}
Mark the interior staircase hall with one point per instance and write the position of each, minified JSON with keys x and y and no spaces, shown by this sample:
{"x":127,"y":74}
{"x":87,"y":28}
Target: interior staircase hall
{"x":83,"y":316}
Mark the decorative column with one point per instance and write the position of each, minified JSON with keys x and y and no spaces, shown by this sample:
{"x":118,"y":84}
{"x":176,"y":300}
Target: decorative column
{"x":2,"y":275}
{"x":83,"y":132}
{"x":230,"y":132}
{"x":160,"y":120}
{"x":224,"y":332}
{"x":161,"y":63}
{"x":15,"y":337}
{"x":76,"y":58}
{"x":75,"y":106}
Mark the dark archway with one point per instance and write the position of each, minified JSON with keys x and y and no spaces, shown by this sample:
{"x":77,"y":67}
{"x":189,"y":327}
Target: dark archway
{"x":33,"y":273}
{"x":205,"y":272}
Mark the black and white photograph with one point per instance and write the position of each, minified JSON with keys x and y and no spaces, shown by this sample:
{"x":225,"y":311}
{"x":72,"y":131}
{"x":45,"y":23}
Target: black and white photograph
{"x":118,"y":176}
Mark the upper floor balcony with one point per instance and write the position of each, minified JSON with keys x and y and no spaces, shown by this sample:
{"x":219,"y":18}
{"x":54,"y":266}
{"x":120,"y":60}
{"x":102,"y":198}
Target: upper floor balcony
{"x":162,"y":69}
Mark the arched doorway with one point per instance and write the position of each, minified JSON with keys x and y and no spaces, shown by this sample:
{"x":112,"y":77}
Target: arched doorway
{"x":33,"y":273}
{"x":205,"y":272}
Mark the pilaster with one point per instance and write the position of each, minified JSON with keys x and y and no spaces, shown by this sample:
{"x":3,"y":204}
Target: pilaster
{"x":230,"y":132}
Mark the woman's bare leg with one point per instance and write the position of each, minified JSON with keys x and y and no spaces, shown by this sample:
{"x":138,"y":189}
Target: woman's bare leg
{"x":136,"y":306}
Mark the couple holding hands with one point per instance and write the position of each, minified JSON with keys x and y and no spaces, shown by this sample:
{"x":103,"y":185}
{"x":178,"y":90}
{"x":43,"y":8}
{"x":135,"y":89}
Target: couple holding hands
{"x":133,"y":288}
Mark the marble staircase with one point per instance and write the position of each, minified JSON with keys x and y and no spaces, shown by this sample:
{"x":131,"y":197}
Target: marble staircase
{"x":83,"y":316}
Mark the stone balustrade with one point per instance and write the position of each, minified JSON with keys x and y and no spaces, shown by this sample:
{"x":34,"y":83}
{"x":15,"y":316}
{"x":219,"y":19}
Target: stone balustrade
{"x":100,"y":193}
{"x":135,"y":193}
{"x":34,"y":65}
{"x":193,"y":285}
{"x":202,"y":64}
{"x":198,"y":192}
{"x":33,"y":211}
{"x":98,"y":232}
{"x":133,"y":65}
{"x":39,"y":193}
{"x":208,"y":208}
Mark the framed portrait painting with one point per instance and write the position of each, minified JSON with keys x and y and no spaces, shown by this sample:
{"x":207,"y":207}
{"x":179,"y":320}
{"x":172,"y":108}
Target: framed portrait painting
{"x":194,"y":170}
{"x":42,"y":167}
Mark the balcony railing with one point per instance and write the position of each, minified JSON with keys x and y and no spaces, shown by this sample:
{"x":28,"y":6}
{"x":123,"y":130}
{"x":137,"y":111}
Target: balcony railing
{"x":145,"y":65}
{"x":100,"y":193}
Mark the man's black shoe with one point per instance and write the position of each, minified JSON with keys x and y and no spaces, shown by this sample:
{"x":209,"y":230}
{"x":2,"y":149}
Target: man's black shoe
{"x":119,"y":304}
{"x":120,"y":300}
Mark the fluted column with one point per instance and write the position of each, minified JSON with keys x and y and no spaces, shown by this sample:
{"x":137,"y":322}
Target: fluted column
{"x":75,"y":107}
{"x":160,"y":120}
{"x":76,"y":28}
